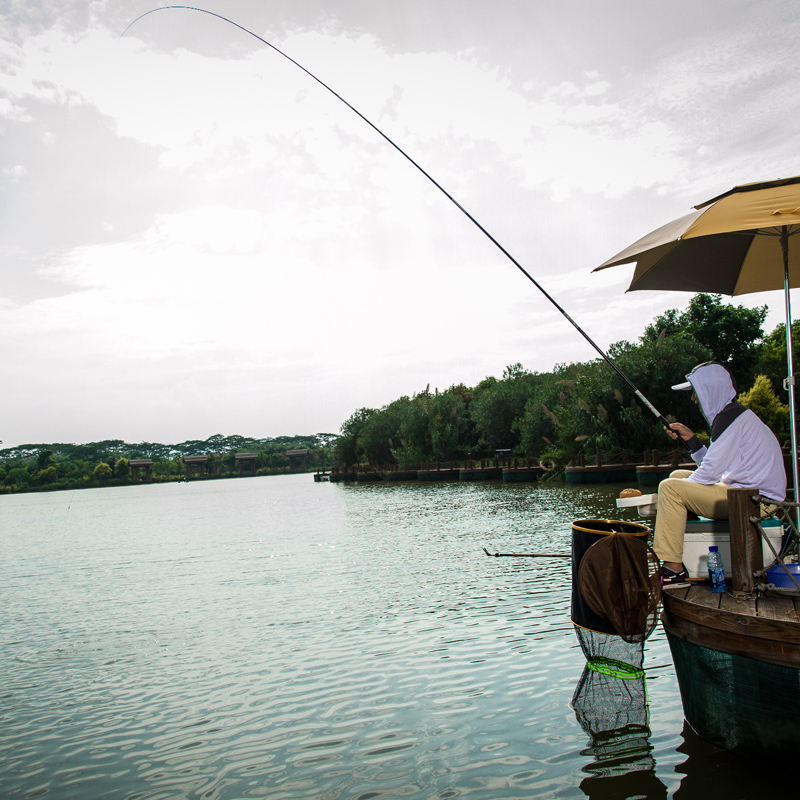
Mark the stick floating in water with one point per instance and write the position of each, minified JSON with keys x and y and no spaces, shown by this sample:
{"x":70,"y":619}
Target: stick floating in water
{"x":528,"y":555}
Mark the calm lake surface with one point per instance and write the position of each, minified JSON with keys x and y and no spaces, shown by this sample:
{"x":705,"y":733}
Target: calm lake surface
{"x":279,"y":638}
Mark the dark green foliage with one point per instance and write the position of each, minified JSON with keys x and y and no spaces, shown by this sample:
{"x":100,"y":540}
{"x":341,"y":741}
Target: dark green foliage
{"x":731,"y":334}
{"x":451,"y":429}
{"x":498,"y":406}
{"x":46,"y":475}
{"x":17,"y":476}
{"x":375,"y":440}
{"x":102,"y":471}
{"x":773,"y":361}
{"x":654,"y":367}
{"x":762,"y":399}
{"x":575,"y":408}
{"x":348,"y":448}
{"x":430,"y":426}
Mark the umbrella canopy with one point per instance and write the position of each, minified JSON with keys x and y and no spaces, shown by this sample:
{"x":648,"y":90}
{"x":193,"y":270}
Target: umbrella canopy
{"x":736,"y":243}
{"x":730,"y":245}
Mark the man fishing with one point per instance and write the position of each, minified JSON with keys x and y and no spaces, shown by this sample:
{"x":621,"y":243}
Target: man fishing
{"x":744,"y":454}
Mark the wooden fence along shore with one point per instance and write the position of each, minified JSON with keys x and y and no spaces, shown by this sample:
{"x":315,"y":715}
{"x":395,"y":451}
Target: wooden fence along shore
{"x":647,"y":471}
{"x":510,"y":470}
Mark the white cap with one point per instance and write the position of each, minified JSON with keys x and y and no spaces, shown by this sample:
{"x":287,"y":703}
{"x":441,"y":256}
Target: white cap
{"x":680,"y":387}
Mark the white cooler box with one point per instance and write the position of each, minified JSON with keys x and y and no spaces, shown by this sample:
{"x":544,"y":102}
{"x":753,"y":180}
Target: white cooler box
{"x":701,"y":534}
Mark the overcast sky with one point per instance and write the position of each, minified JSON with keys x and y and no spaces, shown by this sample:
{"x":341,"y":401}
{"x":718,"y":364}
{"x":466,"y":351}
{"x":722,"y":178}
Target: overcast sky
{"x":197,"y":238}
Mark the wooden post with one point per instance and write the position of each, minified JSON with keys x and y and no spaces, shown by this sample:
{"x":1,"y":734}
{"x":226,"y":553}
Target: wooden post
{"x":747,"y":555}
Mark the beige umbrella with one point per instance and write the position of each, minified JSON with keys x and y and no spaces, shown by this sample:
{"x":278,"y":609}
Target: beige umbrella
{"x":736,"y":243}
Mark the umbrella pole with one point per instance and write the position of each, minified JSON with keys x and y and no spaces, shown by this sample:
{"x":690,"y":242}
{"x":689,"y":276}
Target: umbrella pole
{"x":789,"y":382}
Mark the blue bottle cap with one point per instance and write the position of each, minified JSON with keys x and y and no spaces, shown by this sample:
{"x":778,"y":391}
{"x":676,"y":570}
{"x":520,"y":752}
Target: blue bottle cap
{"x":713,"y":548}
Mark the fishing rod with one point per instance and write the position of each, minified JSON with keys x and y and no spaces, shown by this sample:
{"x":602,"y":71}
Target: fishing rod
{"x":447,"y":194}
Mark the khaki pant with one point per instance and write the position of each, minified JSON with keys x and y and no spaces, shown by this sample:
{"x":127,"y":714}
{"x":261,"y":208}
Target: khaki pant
{"x":676,"y":496}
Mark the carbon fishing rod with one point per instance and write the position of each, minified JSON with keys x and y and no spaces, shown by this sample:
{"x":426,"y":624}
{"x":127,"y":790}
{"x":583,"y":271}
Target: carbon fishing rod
{"x":447,"y":194}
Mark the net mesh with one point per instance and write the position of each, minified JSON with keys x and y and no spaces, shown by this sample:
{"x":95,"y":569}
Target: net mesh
{"x":605,"y":703}
{"x":614,"y":715}
{"x":620,"y":580}
{"x":736,"y":702}
{"x":610,"y":700}
{"x":606,"y":651}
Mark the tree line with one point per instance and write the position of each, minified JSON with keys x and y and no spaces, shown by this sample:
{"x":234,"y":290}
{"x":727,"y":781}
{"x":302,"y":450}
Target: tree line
{"x":575,"y":408}
{"x":582,"y":407}
{"x":42,"y":467}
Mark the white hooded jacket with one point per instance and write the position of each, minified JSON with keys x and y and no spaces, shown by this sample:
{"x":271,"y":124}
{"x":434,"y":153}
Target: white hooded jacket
{"x":744,"y":453}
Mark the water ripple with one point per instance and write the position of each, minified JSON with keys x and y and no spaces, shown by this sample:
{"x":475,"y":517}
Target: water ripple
{"x":276,"y":638}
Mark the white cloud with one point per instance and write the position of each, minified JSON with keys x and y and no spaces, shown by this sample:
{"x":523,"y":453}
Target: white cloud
{"x":14,"y":173}
{"x":207,"y":225}
{"x":197,"y":107}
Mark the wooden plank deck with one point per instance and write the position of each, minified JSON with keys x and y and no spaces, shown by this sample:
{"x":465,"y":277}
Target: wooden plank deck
{"x":763,"y":628}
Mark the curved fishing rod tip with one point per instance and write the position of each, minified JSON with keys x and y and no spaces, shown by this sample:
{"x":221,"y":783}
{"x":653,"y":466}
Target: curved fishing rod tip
{"x":160,"y":8}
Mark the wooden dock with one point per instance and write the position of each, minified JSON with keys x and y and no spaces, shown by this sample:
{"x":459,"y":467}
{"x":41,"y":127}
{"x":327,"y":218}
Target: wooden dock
{"x":480,"y":474}
{"x":368,"y":475}
{"x":579,"y":471}
{"x":438,"y":471}
{"x":655,"y":469}
{"x":648,"y":471}
{"x":485,"y":469}
{"x":510,"y":470}
{"x":398,"y":473}
{"x":341,"y":474}
{"x":525,"y":470}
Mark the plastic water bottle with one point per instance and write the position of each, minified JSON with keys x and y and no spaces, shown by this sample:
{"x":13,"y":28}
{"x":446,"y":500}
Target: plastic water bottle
{"x":716,"y":570}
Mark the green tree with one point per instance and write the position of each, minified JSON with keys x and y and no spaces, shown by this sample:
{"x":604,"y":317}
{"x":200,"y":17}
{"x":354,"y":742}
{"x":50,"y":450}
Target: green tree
{"x":17,"y":476}
{"x":498,"y":406}
{"x":377,"y":436}
{"x":570,"y":412}
{"x":732,"y":334}
{"x":122,"y":469}
{"x":348,"y":449}
{"x":773,"y":361}
{"x":46,"y":475}
{"x":589,"y":408}
{"x":102,"y":471}
{"x":413,"y":444}
{"x":451,"y":431}
{"x":654,"y":367}
{"x":763,"y":401}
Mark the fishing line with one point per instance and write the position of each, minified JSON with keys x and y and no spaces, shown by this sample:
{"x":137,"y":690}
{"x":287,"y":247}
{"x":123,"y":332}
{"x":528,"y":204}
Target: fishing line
{"x":447,"y":194}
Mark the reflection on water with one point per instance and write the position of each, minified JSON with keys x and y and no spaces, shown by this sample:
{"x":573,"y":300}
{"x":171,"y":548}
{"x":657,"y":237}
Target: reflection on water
{"x":278,"y":638}
{"x":613,"y":713}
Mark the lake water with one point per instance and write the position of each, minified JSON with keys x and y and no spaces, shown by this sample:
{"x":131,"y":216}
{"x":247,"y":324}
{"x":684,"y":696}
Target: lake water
{"x":279,"y":638}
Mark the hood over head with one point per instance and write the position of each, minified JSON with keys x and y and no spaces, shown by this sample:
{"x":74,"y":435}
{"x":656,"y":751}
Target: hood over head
{"x":714,"y":386}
